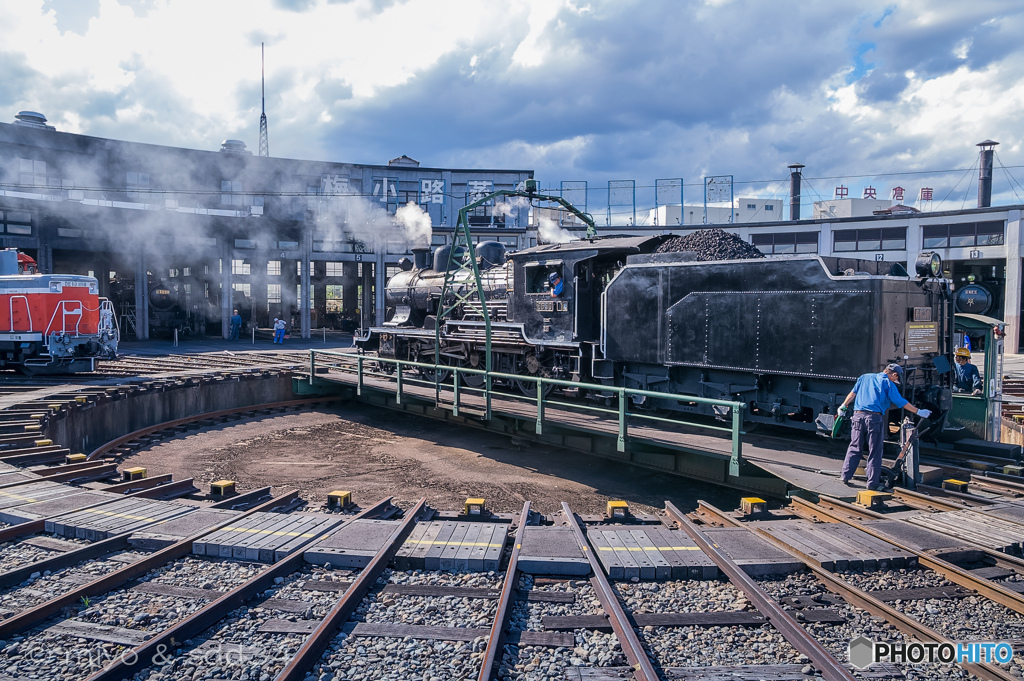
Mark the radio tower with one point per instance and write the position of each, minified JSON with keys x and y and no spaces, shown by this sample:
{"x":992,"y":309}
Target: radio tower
{"x":264,"y":141}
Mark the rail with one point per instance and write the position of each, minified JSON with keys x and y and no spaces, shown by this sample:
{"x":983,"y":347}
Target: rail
{"x":367,"y":366}
{"x":858,"y":597}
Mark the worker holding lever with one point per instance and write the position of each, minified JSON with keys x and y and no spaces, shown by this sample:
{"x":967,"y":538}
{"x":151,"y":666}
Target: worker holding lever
{"x":873,"y":396}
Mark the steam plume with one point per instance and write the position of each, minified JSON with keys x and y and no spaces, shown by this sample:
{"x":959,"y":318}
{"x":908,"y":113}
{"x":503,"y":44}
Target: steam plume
{"x":549,"y":232}
{"x":416,"y":224}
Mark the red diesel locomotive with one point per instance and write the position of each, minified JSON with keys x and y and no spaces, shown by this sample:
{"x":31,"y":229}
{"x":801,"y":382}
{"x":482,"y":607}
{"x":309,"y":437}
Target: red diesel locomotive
{"x":52,"y":323}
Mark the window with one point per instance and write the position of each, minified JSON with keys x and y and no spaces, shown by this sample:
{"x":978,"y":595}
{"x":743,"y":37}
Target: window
{"x":287,"y":245}
{"x":233,"y":193}
{"x":273,"y":293}
{"x":769,"y":207}
{"x":137,"y":183}
{"x":335,"y":269}
{"x":240,"y":267}
{"x":245,"y":243}
{"x":875,"y":239}
{"x":186,"y":272}
{"x":751,"y":206}
{"x":246,"y":289}
{"x":32,"y":172}
{"x":537,"y":277}
{"x":273,"y":268}
{"x":335,"y":299}
{"x":68,"y":232}
{"x":438,"y":239}
{"x":298,"y":296}
{"x":18,"y":222}
{"x":963,"y":235}
{"x":785,"y":243}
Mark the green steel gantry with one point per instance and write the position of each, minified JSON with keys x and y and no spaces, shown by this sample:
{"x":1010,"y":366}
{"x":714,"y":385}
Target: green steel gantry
{"x":463,"y":254}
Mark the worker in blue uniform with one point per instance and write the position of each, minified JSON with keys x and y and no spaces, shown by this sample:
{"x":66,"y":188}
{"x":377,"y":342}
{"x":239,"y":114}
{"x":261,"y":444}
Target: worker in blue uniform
{"x":873,"y":396}
{"x":557,"y":285}
{"x":966,"y":378}
{"x":236,"y":325}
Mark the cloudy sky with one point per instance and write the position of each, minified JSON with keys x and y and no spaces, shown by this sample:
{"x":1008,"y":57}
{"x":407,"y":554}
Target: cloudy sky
{"x":864,"y":92}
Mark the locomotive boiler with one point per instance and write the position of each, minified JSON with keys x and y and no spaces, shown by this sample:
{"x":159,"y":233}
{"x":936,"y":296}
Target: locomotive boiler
{"x":787,"y":336}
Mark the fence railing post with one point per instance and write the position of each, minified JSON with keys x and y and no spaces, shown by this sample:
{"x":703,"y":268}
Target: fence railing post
{"x":487,"y":396}
{"x":737,"y":446}
{"x":622,"y":420}
{"x":455,"y":397}
{"x":312,"y":365}
{"x":539,"y":429}
{"x":398,"y":376}
{"x":359,"y":375}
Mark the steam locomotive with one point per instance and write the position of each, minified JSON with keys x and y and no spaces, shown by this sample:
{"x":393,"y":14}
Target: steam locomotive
{"x":171,"y":309}
{"x":788,"y":336}
{"x":51,"y":323}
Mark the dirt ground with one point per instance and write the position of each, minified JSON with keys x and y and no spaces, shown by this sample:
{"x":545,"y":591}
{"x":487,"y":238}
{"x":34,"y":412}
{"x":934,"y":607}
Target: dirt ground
{"x":376,"y":453}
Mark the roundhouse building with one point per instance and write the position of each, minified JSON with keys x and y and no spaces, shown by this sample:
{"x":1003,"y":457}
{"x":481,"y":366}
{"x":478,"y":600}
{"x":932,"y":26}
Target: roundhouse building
{"x":178,"y":238}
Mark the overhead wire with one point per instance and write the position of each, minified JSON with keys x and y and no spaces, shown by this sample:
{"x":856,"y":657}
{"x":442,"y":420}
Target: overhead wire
{"x":1011,"y":178}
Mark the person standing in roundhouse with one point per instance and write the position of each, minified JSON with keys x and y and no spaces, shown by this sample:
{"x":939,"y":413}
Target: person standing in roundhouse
{"x":873,"y":395}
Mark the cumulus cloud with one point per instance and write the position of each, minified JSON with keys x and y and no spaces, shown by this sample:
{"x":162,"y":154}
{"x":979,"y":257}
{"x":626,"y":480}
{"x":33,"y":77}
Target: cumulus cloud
{"x":596,"y":91}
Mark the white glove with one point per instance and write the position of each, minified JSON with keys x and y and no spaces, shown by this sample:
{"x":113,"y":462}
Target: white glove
{"x":843,"y":410}
{"x":923,"y":413}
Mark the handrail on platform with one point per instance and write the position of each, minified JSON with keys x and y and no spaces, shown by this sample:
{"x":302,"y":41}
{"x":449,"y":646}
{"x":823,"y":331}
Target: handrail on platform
{"x":357,"y":364}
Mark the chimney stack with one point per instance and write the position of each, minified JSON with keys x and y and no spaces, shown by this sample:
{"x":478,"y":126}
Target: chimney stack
{"x":794,"y":190}
{"x":985,"y":173}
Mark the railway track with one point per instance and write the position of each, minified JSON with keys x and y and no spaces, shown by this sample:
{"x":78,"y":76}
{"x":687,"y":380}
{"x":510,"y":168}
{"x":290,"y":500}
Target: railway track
{"x":111,"y":612}
{"x":130,"y":366}
{"x":151,"y":579}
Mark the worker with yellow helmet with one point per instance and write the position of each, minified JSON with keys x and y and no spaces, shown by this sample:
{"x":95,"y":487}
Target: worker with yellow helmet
{"x":965,"y":376}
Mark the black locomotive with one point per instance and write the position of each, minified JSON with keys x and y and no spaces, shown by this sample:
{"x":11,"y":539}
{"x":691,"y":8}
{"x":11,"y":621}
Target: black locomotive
{"x":788,"y":336}
{"x":172,"y":309}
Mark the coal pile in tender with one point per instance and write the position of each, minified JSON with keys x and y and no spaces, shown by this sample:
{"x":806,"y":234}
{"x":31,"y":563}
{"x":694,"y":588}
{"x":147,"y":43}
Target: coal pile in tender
{"x":711,"y":244}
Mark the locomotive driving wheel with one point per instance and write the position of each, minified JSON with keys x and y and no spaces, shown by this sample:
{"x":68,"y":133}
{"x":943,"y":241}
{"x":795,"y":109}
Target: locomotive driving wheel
{"x":434,"y":375}
{"x":532,"y":365}
{"x":474,"y":360}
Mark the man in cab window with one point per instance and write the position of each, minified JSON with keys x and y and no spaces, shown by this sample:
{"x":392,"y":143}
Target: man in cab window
{"x":557,"y":285}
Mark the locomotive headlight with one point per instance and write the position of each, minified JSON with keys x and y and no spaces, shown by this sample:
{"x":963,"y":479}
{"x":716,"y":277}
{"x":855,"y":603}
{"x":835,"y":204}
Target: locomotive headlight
{"x":929,"y":264}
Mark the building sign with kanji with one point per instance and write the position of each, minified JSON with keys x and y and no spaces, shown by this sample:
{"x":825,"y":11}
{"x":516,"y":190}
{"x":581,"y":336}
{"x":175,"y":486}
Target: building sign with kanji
{"x":385,"y":189}
{"x":431,"y":191}
{"x":870,"y":192}
{"x":478,"y":189}
{"x":897,"y":194}
{"x":842,"y":192}
{"x":334,"y":185}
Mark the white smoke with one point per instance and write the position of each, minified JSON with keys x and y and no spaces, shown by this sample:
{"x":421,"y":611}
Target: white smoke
{"x":416,"y":224}
{"x":511,"y":205}
{"x":548,"y":231}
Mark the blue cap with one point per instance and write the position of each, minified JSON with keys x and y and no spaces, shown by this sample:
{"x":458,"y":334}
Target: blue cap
{"x":553,"y":276}
{"x":897,"y":369}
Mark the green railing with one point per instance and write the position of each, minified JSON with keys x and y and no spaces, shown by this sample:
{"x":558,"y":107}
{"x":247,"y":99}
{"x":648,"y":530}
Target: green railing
{"x":367,"y":366}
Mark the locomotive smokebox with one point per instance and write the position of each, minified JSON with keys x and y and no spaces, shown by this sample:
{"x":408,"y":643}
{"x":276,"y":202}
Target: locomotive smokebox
{"x":421,"y":258}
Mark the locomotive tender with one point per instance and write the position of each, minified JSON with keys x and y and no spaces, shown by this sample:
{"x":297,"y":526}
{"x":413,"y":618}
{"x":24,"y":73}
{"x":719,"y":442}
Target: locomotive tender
{"x":788,"y":336}
{"x":51,"y":323}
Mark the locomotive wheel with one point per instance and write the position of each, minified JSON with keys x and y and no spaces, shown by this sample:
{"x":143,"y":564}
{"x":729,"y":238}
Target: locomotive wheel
{"x":434,"y":375}
{"x":474,"y":360}
{"x":531,"y":366}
